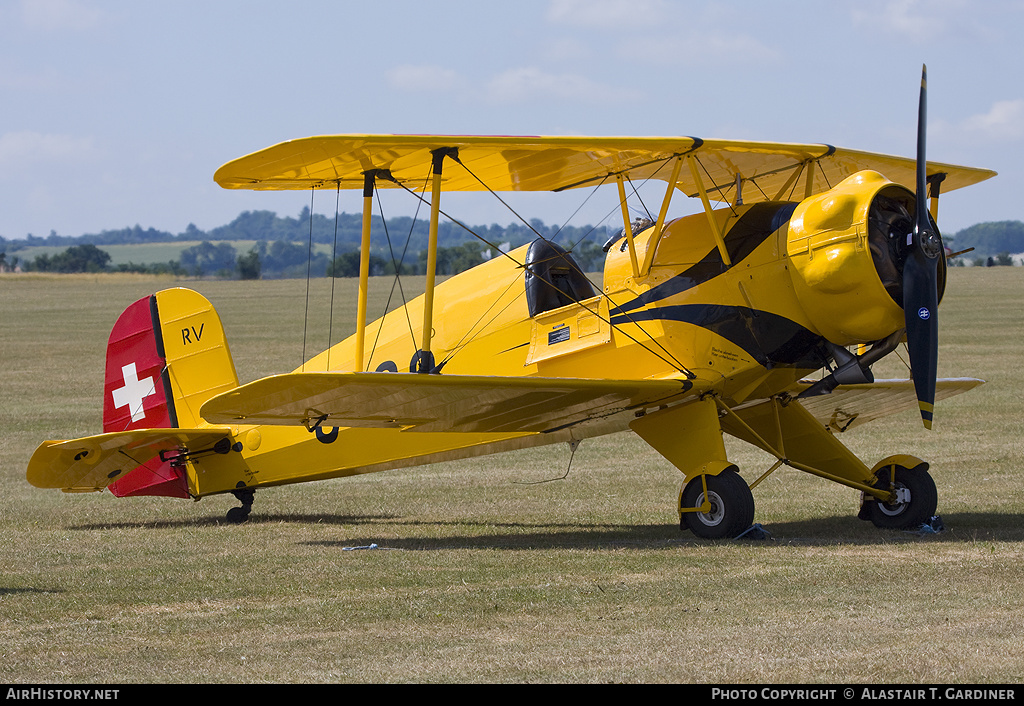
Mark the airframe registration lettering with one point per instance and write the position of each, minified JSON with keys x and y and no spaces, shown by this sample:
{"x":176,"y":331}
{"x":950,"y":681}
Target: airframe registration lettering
{"x":188,"y":333}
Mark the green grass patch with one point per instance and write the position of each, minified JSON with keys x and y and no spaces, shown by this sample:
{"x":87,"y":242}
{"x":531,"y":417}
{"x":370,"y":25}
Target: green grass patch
{"x":481,"y":574}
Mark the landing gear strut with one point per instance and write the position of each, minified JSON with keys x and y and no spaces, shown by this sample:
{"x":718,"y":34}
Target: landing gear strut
{"x":238,"y":515}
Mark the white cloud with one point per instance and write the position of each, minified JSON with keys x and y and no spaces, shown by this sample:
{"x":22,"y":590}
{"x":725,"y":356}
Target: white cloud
{"x":661,"y":33}
{"x":709,"y":48}
{"x":532,"y":84}
{"x":409,"y":77}
{"x":565,"y":49}
{"x":14,"y":77}
{"x":1005,"y":121}
{"x":608,"y":14}
{"x":915,"y":21}
{"x":53,"y":15}
{"x":25,"y":148}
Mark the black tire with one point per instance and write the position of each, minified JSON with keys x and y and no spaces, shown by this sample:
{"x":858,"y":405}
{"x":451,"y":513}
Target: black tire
{"x":732,"y":509}
{"x":912,"y":511}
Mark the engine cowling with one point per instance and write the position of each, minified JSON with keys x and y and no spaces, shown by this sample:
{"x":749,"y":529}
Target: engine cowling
{"x":847,"y":248}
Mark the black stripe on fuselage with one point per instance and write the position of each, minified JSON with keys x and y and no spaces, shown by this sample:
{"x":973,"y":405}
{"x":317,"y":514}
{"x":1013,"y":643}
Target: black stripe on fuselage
{"x":768,"y":338}
{"x":749,"y":231}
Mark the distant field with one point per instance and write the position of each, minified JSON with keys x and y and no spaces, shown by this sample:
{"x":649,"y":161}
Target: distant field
{"x":144,"y":253}
{"x":149,"y":253}
{"x":482,"y":574}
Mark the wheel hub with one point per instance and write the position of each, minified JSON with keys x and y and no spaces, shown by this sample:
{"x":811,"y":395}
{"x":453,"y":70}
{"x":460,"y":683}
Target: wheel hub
{"x":716,"y":514}
{"x":900,"y":501}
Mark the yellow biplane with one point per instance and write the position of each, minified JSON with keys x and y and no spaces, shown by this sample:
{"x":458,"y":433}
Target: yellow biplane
{"x":816,"y":258}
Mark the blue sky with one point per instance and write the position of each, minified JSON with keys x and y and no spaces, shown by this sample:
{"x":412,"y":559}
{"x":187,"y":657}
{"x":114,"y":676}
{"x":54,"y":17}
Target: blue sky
{"x":115,"y":113}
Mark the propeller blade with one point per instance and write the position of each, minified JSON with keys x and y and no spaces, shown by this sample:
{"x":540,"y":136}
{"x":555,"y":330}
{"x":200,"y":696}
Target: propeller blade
{"x":920,"y":301}
{"x":920,"y":281}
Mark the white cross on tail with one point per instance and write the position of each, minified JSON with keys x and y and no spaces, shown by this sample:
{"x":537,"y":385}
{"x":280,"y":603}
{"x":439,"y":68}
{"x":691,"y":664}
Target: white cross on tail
{"x":133,"y":392}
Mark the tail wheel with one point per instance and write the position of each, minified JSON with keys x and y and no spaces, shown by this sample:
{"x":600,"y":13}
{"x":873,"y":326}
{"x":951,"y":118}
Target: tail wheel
{"x":732,"y":506}
{"x":238,"y":515}
{"x":915,"y":498}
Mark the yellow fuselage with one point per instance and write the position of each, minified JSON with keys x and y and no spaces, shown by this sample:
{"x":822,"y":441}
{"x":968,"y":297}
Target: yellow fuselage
{"x":799,"y":274}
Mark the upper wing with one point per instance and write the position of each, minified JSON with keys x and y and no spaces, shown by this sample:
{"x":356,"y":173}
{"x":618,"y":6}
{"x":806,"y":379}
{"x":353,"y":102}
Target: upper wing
{"x":455,"y":403}
{"x":94,"y":462}
{"x":773,"y":170}
{"x":852,"y":405}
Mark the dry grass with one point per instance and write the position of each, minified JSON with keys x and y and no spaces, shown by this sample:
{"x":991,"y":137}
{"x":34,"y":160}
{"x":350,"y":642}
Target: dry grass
{"x":478,"y":576}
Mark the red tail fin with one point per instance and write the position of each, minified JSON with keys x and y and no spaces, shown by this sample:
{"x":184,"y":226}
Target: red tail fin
{"x":134,"y":395}
{"x":140,"y":391}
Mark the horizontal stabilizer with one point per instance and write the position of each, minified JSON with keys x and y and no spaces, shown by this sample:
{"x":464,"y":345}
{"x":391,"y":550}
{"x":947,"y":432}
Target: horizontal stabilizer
{"x":437,"y":403}
{"x":849,"y":406}
{"x":94,"y":462}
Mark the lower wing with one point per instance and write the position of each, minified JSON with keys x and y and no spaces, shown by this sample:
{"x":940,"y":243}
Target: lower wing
{"x":417,"y":402}
{"x":849,"y":406}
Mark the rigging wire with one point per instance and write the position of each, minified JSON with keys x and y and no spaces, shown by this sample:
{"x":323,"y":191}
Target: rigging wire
{"x":717,"y":187}
{"x":458,"y":346}
{"x":671,"y":360}
{"x":638,"y":196}
{"x":792,"y":189}
{"x":753,"y":180}
{"x":580,"y":208}
{"x":397,"y":264}
{"x":573,"y":445}
{"x":823,"y":174}
{"x":674,"y":362}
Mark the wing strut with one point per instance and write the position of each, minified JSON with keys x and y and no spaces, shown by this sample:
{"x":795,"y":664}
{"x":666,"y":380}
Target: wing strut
{"x":789,"y":182}
{"x":627,"y":228}
{"x":425,"y":359}
{"x":369,"y":177}
{"x":659,"y":227}
{"x":934,"y":184}
{"x":715,"y":230}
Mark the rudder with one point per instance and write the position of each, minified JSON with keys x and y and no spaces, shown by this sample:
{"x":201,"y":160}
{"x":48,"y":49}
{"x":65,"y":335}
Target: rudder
{"x":167,"y":354}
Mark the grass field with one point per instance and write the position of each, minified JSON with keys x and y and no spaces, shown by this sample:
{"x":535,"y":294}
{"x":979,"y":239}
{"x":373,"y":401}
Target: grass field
{"x":481,"y":573}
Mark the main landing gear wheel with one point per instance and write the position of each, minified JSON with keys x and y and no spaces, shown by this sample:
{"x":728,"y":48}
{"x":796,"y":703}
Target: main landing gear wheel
{"x":732,"y":506}
{"x":915,"y":501}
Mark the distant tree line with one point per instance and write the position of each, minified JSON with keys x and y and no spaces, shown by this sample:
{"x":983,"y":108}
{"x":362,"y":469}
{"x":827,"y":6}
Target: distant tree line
{"x":994,"y":243}
{"x":404,"y":233}
{"x":285,"y":246}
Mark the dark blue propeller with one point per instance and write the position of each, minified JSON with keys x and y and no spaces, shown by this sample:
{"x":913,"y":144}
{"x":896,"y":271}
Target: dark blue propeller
{"x":921,"y":280}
